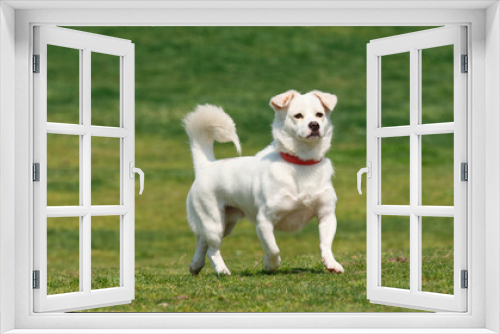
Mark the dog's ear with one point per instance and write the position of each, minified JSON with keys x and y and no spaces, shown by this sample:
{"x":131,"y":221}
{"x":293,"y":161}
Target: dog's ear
{"x":280,"y":102}
{"x":329,"y":101}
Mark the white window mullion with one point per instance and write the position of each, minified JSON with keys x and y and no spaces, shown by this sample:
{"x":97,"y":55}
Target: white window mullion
{"x":80,"y":211}
{"x":122,"y":181}
{"x":85,"y":166}
{"x":433,"y":129}
{"x":127,"y":235}
{"x":418,"y":191}
{"x":81,"y":130}
{"x":40,"y":156}
{"x":67,"y":129}
{"x":421,"y":210}
{"x":392,"y":131}
{"x":434,"y":211}
{"x":373,"y":184}
{"x":392,"y":210}
{"x":85,"y":255}
{"x":415,"y":180}
{"x":460,"y":155}
{"x":420,"y":129}
{"x":104,"y":131}
{"x":109,"y":210}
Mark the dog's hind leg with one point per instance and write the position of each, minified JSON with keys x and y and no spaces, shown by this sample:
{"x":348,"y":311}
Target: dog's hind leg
{"x":209,"y":243}
{"x":214,"y":237}
{"x":208,"y":222}
{"x":200,"y":254}
{"x":217,"y":261}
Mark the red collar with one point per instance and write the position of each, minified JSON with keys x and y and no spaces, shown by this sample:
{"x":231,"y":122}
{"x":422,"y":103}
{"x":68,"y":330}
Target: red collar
{"x":296,"y":160}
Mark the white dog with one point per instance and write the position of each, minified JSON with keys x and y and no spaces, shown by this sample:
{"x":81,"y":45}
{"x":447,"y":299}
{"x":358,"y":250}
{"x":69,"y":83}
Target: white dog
{"x":281,"y":188}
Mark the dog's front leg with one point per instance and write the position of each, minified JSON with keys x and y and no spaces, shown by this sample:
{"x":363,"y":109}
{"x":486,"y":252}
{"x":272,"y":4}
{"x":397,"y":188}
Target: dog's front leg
{"x":327,"y":228}
{"x":265,"y":231}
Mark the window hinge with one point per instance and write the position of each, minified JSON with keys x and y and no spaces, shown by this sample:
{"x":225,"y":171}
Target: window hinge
{"x":465,"y":279}
{"x":36,"y":279}
{"x":465,"y":64}
{"x":464,"y":172}
{"x":36,"y":63}
{"x":36,"y":172}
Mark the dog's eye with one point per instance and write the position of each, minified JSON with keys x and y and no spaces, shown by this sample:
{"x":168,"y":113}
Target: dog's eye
{"x":298,"y":116}
{"x":319,"y":115}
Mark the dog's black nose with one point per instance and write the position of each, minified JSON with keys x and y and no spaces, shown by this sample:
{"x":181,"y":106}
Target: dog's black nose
{"x":314,"y":126}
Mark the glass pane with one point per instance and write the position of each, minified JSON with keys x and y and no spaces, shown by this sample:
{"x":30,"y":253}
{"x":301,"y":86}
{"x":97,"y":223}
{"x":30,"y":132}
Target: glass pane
{"x":395,"y":90}
{"x":437,"y":169}
{"x":63,"y":85}
{"x":105,"y":171}
{"x":63,"y":255}
{"x":395,"y":253}
{"x":105,"y":247}
{"x":63,"y":170}
{"x":437,"y":84}
{"x":105,"y":89}
{"x":437,"y":254}
{"x":395,"y":181}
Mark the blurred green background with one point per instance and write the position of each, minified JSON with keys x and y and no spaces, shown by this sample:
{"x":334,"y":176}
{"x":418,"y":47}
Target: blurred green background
{"x":240,"y":69}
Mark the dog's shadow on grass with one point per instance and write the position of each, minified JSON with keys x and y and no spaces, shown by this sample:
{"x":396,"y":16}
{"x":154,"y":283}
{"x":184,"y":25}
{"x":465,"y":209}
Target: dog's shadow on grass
{"x":281,"y":271}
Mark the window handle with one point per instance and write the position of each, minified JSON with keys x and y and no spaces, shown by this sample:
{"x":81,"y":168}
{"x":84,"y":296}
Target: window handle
{"x":141,"y":175}
{"x":368,"y":171}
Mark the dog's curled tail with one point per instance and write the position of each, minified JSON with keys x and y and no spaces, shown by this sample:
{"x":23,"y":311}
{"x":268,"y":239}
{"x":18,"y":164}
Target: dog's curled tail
{"x":204,"y":125}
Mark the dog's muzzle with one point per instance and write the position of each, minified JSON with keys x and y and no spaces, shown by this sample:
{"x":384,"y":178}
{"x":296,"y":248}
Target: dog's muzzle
{"x":315,"y":133}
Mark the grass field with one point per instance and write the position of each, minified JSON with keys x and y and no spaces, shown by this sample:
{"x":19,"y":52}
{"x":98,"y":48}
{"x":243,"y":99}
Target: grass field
{"x":241,"y":69}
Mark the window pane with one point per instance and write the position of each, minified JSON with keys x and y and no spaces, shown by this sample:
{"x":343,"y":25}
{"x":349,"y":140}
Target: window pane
{"x":395,"y":252}
{"x":395,"y":182}
{"x":63,"y":170}
{"x":437,"y":254}
{"x":395,"y":89}
{"x":105,"y":89}
{"x":63,"y":255}
{"x":105,"y":261}
{"x":105,"y":171}
{"x":437,"y":169}
{"x":437,"y":84}
{"x":63,"y":85}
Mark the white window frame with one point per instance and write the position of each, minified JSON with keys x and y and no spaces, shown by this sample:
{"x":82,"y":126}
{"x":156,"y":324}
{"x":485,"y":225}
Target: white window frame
{"x":414,"y":44}
{"x":16,"y":215}
{"x":86,"y":44}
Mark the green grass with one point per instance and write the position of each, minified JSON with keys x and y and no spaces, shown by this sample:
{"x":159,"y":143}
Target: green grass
{"x":241,"y":69}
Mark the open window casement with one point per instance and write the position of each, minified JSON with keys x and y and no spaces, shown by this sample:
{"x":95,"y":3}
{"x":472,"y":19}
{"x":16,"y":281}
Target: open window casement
{"x":416,"y":45}
{"x":83,"y":132}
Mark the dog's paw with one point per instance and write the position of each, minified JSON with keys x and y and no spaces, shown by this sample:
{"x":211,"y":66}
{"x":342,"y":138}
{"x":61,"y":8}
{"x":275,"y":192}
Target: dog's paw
{"x":222,"y":271}
{"x":272,"y":264}
{"x":334,"y":267}
{"x":194,"y":271}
